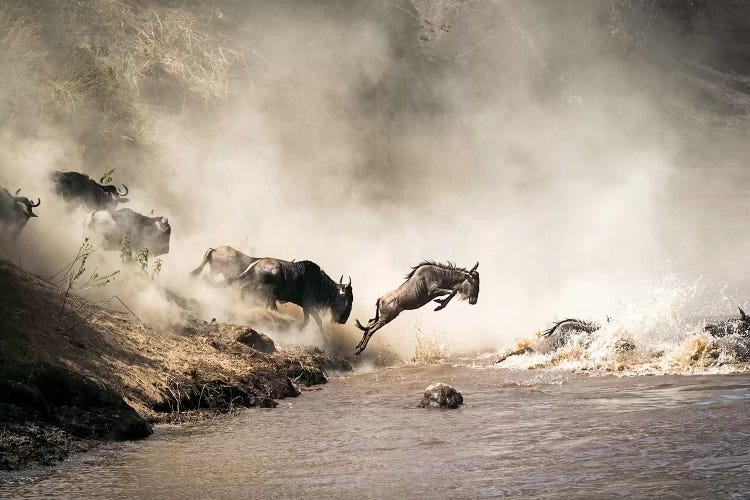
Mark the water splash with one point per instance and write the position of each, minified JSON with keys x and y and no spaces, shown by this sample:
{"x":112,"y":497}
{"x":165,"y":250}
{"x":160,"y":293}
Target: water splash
{"x":432,"y":349}
{"x":658,"y":333}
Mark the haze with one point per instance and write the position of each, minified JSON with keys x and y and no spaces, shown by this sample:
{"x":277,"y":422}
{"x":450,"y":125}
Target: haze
{"x":579,"y":151}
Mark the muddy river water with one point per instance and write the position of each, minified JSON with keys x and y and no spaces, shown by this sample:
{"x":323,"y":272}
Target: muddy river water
{"x":521,"y":433}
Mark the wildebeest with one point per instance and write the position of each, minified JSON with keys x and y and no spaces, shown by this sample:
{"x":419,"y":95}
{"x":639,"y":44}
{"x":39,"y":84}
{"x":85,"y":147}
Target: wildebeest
{"x":144,"y":232}
{"x":427,"y":281}
{"x":733,"y":336}
{"x":15,"y":212}
{"x":223,"y":260}
{"x":556,"y":337}
{"x":740,"y":326}
{"x":79,"y":188}
{"x":303,"y":283}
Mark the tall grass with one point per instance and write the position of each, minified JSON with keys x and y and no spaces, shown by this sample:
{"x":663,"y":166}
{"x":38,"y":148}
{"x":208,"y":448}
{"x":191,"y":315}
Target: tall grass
{"x":110,"y":67}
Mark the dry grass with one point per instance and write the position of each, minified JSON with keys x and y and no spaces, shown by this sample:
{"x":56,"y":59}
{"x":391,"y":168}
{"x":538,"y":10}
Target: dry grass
{"x":112,"y":65}
{"x":21,"y":56}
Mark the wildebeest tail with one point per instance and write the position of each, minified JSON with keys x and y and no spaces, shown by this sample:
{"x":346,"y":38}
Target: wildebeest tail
{"x":206,"y":260}
{"x":359,"y":325}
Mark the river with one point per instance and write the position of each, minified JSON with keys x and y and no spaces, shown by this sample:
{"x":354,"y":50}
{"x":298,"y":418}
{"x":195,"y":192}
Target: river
{"x":541,"y":433}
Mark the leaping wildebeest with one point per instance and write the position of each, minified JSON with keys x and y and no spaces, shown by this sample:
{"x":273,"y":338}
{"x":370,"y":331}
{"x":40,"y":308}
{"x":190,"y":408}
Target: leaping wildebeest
{"x":427,"y":281}
{"x":303,"y":283}
{"x":224,"y":260}
{"x":143,"y":232}
{"x":15,"y":212}
{"x":79,"y":188}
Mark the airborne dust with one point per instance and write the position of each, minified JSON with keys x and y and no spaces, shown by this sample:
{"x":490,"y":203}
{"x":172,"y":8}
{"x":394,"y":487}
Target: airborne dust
{"x":563,"y":145}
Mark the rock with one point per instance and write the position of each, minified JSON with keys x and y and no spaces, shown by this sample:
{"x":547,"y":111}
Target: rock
{"x":47,"y":410}
{"x":327,"y":361}
{"x":441,"y":396}
{"x":305,"y":375}
{"x":256,"y":340}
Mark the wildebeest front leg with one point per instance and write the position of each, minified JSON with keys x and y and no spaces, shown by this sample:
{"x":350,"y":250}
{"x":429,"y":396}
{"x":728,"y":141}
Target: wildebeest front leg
{"x":317,"y":319}
{"x":444,"y":302}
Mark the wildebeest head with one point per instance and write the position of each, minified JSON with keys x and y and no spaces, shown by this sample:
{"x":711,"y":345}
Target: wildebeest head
{"x":469,"y":288}
{"x":154,"y":234}
{"x":116,"y":194}
{"x":26,"y":206}
{"x":342,"y":305}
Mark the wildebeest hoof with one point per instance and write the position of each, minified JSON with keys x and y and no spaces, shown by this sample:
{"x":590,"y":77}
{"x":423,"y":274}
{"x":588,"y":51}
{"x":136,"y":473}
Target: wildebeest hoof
{"x":441,"y":396}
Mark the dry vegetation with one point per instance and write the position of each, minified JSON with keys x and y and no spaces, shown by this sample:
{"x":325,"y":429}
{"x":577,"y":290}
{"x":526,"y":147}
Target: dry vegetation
{"x":108,"y":67}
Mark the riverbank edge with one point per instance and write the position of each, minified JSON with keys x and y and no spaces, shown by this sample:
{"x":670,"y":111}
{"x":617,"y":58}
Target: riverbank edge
{"x":74,"y":375}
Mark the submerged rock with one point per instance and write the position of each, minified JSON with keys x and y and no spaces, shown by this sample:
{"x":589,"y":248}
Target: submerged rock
{"x":441,"y":396}
{"x":256,"y":340}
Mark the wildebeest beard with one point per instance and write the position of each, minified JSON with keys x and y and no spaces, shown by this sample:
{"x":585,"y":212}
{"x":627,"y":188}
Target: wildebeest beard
{"x":469,"y":289}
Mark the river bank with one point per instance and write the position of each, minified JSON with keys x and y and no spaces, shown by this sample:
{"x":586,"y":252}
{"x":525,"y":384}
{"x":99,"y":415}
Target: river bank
{"x":74,"y":374}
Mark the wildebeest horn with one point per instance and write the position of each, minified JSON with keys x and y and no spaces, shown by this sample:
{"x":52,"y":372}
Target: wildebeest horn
{"x":126,"y":191}
{"x":101,"y":181}
{"x":18,"y":191}
{"x":742,"y":313}
{"x":474,"y":268}
{"x":350,"y":281}
{"x":38,"y":202}
{"x":341,"y":280}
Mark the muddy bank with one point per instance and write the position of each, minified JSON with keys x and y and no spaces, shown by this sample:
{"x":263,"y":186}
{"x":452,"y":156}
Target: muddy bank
{"x":75,"y":375}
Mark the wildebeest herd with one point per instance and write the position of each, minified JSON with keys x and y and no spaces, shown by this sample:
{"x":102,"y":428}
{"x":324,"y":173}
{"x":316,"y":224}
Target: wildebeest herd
{"x":111,"y":224}
{"x":268,"y":280}
{"x":305,"y":284}
{"x":272,"y":281}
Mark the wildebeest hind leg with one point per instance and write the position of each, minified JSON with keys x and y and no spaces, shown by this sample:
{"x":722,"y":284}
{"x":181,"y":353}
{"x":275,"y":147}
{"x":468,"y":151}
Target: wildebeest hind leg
{"x":369,"y":333}
{"x":305,"y":319}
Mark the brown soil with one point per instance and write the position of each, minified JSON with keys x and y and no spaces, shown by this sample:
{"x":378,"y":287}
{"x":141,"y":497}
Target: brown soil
{"x":83,"y":373}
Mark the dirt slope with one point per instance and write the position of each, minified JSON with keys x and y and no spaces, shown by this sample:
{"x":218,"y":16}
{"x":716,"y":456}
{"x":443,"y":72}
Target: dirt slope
{"x":81,"y":373}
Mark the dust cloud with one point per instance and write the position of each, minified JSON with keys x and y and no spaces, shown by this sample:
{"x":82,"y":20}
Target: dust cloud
{"x":573,"y":149}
